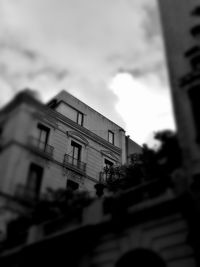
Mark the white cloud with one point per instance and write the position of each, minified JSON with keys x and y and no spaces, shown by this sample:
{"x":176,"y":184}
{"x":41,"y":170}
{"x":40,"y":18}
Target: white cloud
{"x":89,"y":41}
{"x":144,"y":106}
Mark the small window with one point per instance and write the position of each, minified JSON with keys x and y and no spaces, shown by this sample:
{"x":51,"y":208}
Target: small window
{"x":111,"y":137}
{"x":80,"y":118}
{"x":71,"y":185}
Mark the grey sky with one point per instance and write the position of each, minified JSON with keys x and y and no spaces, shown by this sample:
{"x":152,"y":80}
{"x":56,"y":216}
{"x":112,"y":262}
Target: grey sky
{"x":79,"y":45}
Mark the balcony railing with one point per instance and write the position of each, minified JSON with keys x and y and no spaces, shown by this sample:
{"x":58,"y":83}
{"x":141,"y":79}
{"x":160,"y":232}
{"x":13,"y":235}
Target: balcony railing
{"x":41,"y":146}
{"x":109,"y":174}
{"x":69,"y":160}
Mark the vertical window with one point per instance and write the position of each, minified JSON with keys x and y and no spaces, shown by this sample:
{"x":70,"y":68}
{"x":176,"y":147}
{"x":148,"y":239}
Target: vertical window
{"x":1,"y":130}
{"x":111,"y":137}
{"x":76,"y":154}
{"x":107,"y":170}
{"x":194,"y":96}
{"x":80,"y":118}
{"x":34,"y":181}
{"x":76,"y":150}
{"x":43,"y":134}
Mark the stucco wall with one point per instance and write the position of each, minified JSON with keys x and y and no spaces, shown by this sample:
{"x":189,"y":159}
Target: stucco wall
{"x":15,"y":160}
{"x":93,"y":120}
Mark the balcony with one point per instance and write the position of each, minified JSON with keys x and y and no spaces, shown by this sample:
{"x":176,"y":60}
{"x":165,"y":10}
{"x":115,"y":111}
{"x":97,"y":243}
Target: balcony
{"x":109,"y":174}
{"x":41,"y":147}
{"x":69,"y":161}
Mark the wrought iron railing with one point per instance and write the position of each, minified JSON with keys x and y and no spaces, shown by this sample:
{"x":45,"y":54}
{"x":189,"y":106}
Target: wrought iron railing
{"x":109,"y":174}
{"x":41,"y":146}
{"x":69,"y":160}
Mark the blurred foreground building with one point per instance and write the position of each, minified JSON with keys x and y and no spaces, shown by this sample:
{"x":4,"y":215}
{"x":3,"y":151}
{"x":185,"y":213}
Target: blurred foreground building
{"x":181,"y":30}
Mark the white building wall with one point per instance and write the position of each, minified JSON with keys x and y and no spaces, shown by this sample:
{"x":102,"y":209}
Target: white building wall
{"x":93,"y":121}
{"x":22,"y":125}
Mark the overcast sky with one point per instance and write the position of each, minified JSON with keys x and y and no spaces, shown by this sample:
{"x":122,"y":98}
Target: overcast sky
{"x":108,"y":53}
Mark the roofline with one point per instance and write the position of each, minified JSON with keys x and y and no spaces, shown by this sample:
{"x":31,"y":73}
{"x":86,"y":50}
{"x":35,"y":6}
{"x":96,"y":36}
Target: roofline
{"x":54,"y":98}
{"x":24,"y":97}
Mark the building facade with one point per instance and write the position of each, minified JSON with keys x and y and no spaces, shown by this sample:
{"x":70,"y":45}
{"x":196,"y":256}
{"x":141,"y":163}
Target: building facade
{"x":181,"y":30}
{"x":130,"y":229}
{"x":64,"y":144}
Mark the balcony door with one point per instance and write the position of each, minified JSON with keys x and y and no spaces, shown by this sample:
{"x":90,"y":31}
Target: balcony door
{"x":76,"y":153}
{"x":107,"y":170}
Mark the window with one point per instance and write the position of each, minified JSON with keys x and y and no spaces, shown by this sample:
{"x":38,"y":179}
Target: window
{"x":1,"y":130}
{"x":34,"y":181}
{"x":80,"y":118}
{"x":194,"y":96}
{"x":67,"y":111}
{"x":70,"y":112}
{"x":76,"y":150}
{"x":195,"y":62}
{"x":111,"y":137}
{"x":108,"y":163}
{"x":107,"y":170}
{"x":71,"y":185}
{"x":43,"y":134}
{"x":76,"y":154}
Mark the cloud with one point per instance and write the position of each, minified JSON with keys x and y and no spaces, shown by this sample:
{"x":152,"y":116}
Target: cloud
{"x":80,"y":45}
{"x":146,"y":108}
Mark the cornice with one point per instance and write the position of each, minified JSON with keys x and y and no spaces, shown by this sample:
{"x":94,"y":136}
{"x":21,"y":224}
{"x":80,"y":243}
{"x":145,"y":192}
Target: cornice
{"x":78,"y":137}
{"x":40,"y":107}
{"x":109,"y":154}
{"x":82,"y":130}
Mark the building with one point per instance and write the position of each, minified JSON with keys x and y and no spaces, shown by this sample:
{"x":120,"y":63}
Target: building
{"x":147,"y":225}
{"x":181,"y":30}
{"x":140,"y":227}
{"x":64,"y":144}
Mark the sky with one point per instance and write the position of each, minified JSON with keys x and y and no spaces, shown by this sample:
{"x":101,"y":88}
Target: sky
{"x":107,"y":53}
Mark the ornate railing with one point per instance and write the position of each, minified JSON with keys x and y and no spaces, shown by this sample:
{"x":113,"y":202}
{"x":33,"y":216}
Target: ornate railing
{"x":69,"y":160}
{"x":41,"y":146}
{"x":109,"y":174}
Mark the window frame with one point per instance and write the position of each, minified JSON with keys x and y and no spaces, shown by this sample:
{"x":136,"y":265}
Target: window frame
{"x":79,"y":147}
{"x":111,"y":134}
{"x":80,"y":117}
{"x":42,"y":128}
